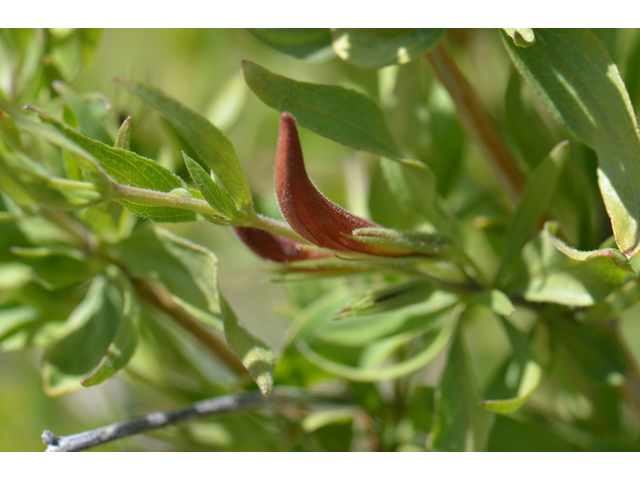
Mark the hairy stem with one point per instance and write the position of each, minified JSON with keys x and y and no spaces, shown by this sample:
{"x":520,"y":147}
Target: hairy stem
{"x":476,"y":122}
{"x":274,"y":226}
{"x":153,"y":421}
{"x":135,"y":194}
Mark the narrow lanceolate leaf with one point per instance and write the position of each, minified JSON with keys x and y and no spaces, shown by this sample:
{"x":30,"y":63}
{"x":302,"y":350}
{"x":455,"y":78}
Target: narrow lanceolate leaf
{"x":576,"y":78}
{"x":379,"y":47}
{"x":310,"y":214}
{"x":121,"y":348}
{"x":522,"y":37}
{"x":534,"y":201}
{"x":389,"y":298}
{"x":254,"y":354}
{"x":211,"y":191}
{"x":129,"y":168}
{"x":212,"y":147}
{"x":124,"y":135}
{"x":614,"y":254}
{"x":339,"y":114}
{"x":276,"y":247}
{"x":461,"y":424}
{"x":311,"y":44}
{"x":520,"y":377}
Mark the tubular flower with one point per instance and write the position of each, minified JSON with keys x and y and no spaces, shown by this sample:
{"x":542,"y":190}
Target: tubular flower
{"x":275,"y":247}
{"x":311,"y":214}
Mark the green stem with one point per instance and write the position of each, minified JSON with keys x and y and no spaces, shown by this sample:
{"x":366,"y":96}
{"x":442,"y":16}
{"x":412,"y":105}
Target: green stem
{"x":135,"y":194}
{"x":274,"y":226}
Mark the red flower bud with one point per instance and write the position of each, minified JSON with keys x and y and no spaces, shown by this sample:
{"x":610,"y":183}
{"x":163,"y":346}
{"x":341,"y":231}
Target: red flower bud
{"x":311,"y":214}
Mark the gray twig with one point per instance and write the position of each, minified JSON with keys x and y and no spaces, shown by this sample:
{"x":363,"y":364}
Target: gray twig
{"x":205,"y":408}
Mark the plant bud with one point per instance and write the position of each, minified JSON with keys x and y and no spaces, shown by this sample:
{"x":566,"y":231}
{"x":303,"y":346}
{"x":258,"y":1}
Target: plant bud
{"x":311,"y":214}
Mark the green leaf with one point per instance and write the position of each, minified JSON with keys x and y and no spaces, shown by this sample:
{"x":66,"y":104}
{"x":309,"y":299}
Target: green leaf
{"x":534,"y":201}
{"x":526,"y":128}
{"x":121,"y":348}
{"x":522,"y":37}
{"x":187,"y":270}
{"x":433,"y":341}
{"x":594,"y":350}
{"x":129,"y":168}
{"x":551,"y":276}
{"x":332,"y":428}
{"x":389,"y":298}
{"x":228,"y":104}
{"x":90,"y":166}
{"x":379,"y":47}
{"x":447,"y":139}
{"x":91,"y":329}
{"x":56,"y":267}
{"x":310,"y":44}
{"x":614,"y":304}
{"x":366,"y":330}
{"x":461,"y":424}
{"x":615,"y":255}
{"x":385,"y":209}
{"x":522,"y":374}
{"x":124,"y":135}
{"x":212,"y":147}
{"x":496,"y":301}
{"x":15,"y":319}
{"x":254,"y":354}
{"x":339,"y":114}
{"x":513,"y":435}
{"x":414,"y":185}
{"x":578,"y":81}
{"x":212,"y":193}
{"x":86,"y":119}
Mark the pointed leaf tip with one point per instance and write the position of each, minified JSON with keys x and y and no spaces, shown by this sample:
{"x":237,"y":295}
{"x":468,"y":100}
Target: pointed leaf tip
{"x":311,"y":214}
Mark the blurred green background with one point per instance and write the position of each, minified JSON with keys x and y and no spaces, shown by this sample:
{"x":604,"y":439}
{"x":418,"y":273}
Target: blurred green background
{"x":202,"y":69}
